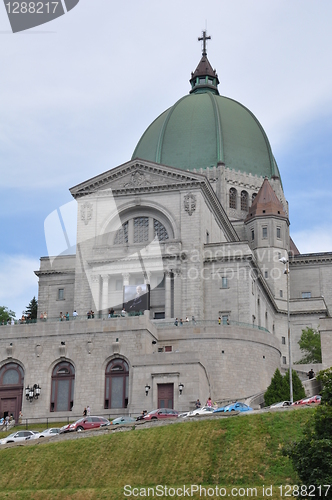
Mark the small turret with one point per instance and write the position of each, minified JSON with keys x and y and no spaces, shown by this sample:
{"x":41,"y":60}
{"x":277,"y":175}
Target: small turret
{"x":267,"y":228}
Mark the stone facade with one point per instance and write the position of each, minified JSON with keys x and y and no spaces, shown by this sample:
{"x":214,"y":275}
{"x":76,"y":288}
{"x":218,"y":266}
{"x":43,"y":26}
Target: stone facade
{"x":201,"y":266}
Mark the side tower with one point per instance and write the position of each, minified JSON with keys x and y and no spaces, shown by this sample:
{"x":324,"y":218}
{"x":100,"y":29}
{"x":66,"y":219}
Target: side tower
{"x":267,"y":230}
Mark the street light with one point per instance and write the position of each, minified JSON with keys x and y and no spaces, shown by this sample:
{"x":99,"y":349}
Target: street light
{"x":286,"y":262}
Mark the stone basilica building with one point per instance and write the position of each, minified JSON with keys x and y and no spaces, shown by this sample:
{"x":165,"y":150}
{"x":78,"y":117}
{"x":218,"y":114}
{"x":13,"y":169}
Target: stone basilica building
{"x":197,"y":218}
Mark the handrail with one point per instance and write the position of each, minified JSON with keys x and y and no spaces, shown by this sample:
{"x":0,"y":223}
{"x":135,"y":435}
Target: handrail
{"x":65,"y":319}
{"x":156,"y":322}
{"x":206,"y":323}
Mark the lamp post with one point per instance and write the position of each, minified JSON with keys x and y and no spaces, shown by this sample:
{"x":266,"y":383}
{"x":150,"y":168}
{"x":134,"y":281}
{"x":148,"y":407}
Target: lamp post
{"x":286,"y":262}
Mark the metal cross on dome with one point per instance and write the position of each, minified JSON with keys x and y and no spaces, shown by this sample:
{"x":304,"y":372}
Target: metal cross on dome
{"x":204,"y":38}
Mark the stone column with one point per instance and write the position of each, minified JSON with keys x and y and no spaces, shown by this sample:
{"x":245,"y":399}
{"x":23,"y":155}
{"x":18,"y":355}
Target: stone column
{"x":95,"y":291}
{"x":178,"y":310}
{"x":167,"y":294}
{"x":104,"y":293}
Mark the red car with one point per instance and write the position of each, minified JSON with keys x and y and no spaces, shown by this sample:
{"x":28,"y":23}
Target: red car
{"x":85,"y":423}
{"x":161,"y":413}
{"x":314,"y":399}
{"x":308,"y":401}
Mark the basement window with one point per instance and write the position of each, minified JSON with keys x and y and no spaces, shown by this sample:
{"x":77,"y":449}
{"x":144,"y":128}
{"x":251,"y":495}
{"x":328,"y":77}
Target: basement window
{"x":306,"y":295}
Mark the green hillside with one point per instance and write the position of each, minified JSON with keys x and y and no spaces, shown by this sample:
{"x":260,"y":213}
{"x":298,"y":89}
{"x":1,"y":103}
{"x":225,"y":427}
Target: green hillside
{"x":242,"y":451}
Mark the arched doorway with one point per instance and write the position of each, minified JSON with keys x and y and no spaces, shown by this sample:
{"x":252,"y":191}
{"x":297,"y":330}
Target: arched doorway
{"x":11,"y":390}
{"x":116,"y":384}
{"x":63,"y":383}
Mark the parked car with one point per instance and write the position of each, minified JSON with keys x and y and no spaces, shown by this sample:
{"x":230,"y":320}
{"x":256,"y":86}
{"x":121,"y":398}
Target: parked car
{"x":205,"y":410}
{"x":234,"y":407}
{"x":85,"y":424}
{"x":53,"y":431}
{"x":281,"y":404}
{"x":19,"y":436}
{"x":161,"y":413}
{"x":308,"y":401}
{"x":123,"y":420}
{"x":315,"y":399}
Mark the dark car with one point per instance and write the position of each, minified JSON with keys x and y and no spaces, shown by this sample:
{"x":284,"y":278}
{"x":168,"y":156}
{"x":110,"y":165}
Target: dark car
{"x":85,"y":424}
{"x":161,"y":413}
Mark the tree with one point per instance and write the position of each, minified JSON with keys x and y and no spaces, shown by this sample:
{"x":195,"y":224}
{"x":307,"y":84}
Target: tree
{"x":31,"y":310}
{"x":312,"y":455}
{"x":6,"y":314}
{"x":279,"y":390}
{"x":298,"y":389}
{"x":310,"y":346}
{"x":274,"y":392}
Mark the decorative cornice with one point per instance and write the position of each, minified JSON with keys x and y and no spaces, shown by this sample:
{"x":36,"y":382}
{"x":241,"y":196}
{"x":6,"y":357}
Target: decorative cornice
{"x":50,"y":271}
{"x":169,"y":177}
{"x":310,"y":258}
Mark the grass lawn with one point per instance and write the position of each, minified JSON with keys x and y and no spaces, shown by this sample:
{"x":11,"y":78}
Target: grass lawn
{"x":234,"y":452}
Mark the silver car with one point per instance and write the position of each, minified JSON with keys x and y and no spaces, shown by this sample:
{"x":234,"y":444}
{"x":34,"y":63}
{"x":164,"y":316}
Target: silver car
{"x":53,"y":431}
{"x":19,"y":436}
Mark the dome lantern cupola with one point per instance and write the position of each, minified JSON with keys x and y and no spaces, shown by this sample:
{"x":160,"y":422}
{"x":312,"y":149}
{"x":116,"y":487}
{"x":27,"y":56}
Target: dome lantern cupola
{"x":204,"y":78}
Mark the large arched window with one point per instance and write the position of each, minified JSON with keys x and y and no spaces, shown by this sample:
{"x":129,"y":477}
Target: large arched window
{"x":121,"y":236}
{"x":140,"y":230}
{"x":244,"y":201}
{"x":160,"y":230}
{"x":116,"y":384}
{"x":232,"y":198}
{"x":11,"y":374}
{"x":11,"y":389}
{"x":63,"y":381}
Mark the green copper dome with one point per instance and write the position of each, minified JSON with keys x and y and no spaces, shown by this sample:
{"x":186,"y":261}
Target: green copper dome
{"x":204,"y":128}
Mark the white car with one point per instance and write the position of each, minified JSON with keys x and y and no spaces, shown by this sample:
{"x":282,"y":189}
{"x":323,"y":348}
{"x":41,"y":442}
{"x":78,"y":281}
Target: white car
{"x":281,"y":404}
{"x":54,"y":431}
{"x":205,"y":410}
{"x":19,"y":436}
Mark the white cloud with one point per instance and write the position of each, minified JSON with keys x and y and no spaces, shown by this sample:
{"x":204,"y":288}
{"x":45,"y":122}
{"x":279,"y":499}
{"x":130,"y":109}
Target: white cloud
{"x":18,"y":281}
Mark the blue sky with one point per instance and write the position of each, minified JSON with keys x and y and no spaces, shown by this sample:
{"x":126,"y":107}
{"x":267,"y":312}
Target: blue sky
{"x":76,"y":95}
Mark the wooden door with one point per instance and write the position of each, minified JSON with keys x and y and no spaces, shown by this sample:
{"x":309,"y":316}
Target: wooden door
{"x":165,"y":395}
{"x":9,"y":406}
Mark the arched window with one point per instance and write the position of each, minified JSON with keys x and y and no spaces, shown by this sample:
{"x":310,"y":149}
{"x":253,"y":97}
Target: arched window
{"x":253,"y":196}
{"x":121,"y":236}
{"x":11,"y":390}
{"x":141,"y":229}
{"x":63,"y":381}
{"x":11,"y":374}
{"x":232,"y":198}
{"x":116,"y":384}
{"x":244,"y":201}
{"x":160,"y":230}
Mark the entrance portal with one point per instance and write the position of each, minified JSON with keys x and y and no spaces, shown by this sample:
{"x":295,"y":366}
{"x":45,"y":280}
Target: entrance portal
{"x":165,"y":395}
